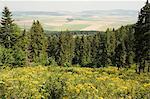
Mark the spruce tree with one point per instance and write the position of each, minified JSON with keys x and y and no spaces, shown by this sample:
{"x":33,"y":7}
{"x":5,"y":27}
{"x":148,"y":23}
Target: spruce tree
{"x":142,"y":42}
{"x":120,"y":55}
{"x":98,"y":50}
{"x":94,"y":50}
{"x":21,"y":49}
{"x":76,"y":59}
{"x":103,"y":53}
{"x":52,"y":46}
{"x":65,"y":49}
{"x":37,"y":44}
{"x":88,"y":49}
{"x":110,"y":45}
{"x":84,"y":52}
{"x":7,"y":34}
{"x":129,"y":43}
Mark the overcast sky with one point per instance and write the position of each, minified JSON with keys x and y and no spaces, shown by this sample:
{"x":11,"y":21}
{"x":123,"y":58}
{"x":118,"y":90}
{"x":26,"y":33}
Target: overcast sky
{"x":71,"y":5}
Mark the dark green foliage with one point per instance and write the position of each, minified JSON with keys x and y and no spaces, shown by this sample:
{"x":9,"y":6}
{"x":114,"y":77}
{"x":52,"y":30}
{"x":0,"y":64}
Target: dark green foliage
{"x":129,"y":43}
{"x":84,"y":54}
{"x":51,"y":62}
{"x":23,"y":41}
{"x":37,"y":44}
{"x":120,"y":56}
{"x":110,"y":45}
{"x":52,"y":46}
{"x":6,"y":56}
{"x":65,"y":52}
{"x":142,"y":35}
{"x":125,"y":46}
{"x":76,"y":58}
{"x":103,"y":52}
{"x":95,"y":49}
{"x":19,"y":57}
{"x":122,"y":47}
{"x":7,"y":34}
{"x":98,"y":50}
{"x":20,"y":49}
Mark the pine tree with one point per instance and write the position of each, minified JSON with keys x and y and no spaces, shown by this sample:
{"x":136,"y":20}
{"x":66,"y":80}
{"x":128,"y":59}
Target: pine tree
{"x":84,"y":52}
{"x":7,"y":34}
{"x":37,"y":44}
{"x":98,"y":50}
{"x":129,"y":43}
{"x":110,"y":45}
{"x":76,"y":59}
{"x":65,"y":49}
{"x":52,"y":46}
{"x":103,"y":53}
{"x":120,"y":55}
{"x":21,"y":49}
{"x":94,"y":50}
{"x":6,"y":58}
{"x":142,"y":33}
{"x":88,"y":49}
{"x":147,"y":50}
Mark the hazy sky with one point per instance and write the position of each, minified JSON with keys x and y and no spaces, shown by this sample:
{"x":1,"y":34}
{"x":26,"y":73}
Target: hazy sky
{"x":70,"y":5}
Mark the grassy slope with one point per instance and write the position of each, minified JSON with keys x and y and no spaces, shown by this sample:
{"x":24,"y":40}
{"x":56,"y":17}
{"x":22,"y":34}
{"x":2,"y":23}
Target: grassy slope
{"x":73,"y":82}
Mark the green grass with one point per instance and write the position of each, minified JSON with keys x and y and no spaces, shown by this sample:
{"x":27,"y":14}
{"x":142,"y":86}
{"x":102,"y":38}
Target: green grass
{"x":71,"y":27}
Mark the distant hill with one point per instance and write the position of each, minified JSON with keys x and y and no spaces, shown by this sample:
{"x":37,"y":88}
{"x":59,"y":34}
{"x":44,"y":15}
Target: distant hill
{"x":84,"y":20}
{"x":117,"y":12}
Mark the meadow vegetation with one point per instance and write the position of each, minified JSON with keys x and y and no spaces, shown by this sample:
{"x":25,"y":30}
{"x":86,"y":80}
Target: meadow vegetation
{"x":55,"y":82}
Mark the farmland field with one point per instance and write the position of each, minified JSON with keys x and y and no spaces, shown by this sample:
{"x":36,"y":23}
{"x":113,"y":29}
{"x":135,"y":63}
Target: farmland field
{"x":73,"y":83}
{"x":80,"y":21}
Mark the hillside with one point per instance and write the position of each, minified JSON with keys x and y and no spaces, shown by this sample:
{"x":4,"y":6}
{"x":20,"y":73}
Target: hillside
{"x":73,"y":83}
{"x":97,"y":20}
{"x":40,"y":61}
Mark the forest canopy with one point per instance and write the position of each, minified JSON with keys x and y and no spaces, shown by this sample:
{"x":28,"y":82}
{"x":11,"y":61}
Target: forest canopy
{"x":122,"y":47}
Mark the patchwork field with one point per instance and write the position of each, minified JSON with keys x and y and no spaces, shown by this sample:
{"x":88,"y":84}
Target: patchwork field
{"x":85,"y":21}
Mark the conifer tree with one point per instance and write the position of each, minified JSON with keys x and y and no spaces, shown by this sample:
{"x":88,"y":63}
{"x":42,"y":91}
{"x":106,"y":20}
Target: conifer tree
{"x":120,"y":55}
{"x":52,"y":50}
{"x":142,"y":38}
{"x":65,"y":49}
{"x":94,"y":49}
{"x":52,"y":46}
{"x":129,"y":43}
{"x":37,"y":44}
{"x":76,"y":59}
{"x":103,"y":53}
{"x":7,"y":34}
{"x":110,"y":45}
{"x":88,"y":48}
{"x":84,"y":54}
{"x":21,"y":49}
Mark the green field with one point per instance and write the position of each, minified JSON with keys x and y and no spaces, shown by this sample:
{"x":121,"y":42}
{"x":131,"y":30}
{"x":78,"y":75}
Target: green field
{"x":73,"y":83}
{"x":61,"y":23}
{"x":70,"y":27}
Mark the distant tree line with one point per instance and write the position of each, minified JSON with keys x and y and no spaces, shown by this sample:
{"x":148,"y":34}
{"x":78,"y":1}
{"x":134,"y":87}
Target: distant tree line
{"x":72,"y":32}
{"x":122,"y":47}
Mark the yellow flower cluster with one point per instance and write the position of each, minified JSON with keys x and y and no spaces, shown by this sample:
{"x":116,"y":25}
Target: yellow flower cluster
{"x":73,"y":82}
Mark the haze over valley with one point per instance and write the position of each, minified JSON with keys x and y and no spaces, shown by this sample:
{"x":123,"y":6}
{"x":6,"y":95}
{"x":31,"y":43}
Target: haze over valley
{"x":85,"y":20}
{"x":76,"y":15}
